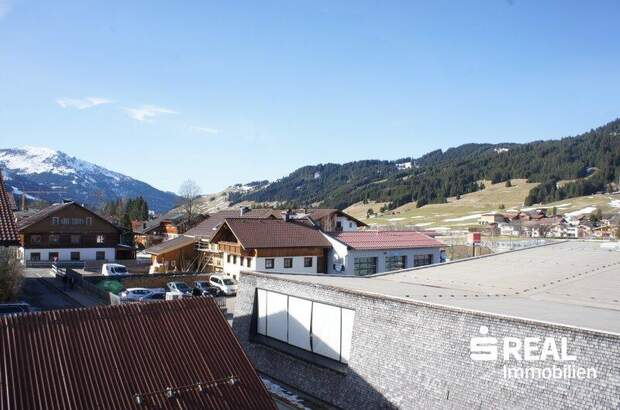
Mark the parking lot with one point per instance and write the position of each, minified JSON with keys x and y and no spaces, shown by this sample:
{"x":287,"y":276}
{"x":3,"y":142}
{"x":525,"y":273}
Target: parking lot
{"x":44,"y":291}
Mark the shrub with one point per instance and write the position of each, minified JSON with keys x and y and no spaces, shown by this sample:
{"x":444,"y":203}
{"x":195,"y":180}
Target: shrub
{"x":11,"y":275}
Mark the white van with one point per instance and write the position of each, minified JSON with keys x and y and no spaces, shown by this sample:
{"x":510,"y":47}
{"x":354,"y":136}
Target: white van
{"x":113,"y":269}
{"x":226,"y":286}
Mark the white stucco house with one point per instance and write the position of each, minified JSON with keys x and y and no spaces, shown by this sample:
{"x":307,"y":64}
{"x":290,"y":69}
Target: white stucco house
{"x":370,"y":252}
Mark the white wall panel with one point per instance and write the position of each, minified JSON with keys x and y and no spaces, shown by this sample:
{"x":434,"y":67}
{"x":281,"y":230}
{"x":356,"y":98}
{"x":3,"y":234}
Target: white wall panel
{"x":326,"y":330}
{"x":277,"y":316}
{"x":261,"y":327}
{"x":299,"y":315}
{"x":347,"y":333}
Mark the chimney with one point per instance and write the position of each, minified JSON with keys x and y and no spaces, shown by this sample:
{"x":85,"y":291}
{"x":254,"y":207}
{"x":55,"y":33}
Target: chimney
{"x":243,"y":210}
{"x":286,"y":215}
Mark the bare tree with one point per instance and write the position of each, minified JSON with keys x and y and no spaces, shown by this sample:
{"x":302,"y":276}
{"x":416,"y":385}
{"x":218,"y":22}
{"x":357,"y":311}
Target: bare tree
{"x":189,"y":193}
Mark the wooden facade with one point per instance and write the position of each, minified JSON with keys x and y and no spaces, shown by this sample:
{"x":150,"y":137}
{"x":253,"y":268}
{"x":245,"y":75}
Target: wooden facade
{"x":71,"y":226}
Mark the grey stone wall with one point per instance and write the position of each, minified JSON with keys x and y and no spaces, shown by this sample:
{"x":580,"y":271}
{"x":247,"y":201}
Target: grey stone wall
{"x":416,"y":355}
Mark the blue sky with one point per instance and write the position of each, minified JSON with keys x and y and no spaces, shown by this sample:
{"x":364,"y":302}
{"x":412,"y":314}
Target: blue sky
{"x":227,"y":92}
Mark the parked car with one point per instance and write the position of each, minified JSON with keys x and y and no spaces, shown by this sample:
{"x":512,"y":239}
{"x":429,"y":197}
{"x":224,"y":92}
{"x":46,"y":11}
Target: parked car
{"x":135,"y":294}
{"x":226,"y":285}
{"x":152,"y":297}
{"x":8,"y":308}
{"x":113,"y":269}
{"x":178,"y":288}
{"x":204,"y":288}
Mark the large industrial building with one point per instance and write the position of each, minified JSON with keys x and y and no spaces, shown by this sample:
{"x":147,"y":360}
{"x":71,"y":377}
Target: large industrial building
{"x":535,"y":328}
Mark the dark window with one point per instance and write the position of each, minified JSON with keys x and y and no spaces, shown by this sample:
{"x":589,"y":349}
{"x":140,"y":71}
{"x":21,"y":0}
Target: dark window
{"x":35,"y":239}
{"x":395,"y":262}
{"x":54,"y":239}
{"x":288,"y":263}
{"x":241,"y":260}
{"x":308,"y":262}
{"x":269,"y":263}
{"x":75,"y":256}
{"x":338,"y":226}
{"x":35,"y":256}
{"x":365,"y":266}
{"x":235,"y":259}
{"x":421,"y":260}
{"x":248,"y":261}
{"x":228,"y":257}
{"x":52,"y":256}
{"x":100,"y":255}
{"x":75,"y":239}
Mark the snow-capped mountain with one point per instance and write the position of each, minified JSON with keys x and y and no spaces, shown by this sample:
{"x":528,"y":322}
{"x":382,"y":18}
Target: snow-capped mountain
{"x":52,"y":175}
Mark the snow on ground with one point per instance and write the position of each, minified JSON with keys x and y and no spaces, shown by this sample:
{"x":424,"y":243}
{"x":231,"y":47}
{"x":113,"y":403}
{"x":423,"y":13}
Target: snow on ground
{"x":583,"y":211}
{"x":463,"y":218}
{"x":33,"y":160}
{"x":417,"y":217}
{"x":533,"y":208}
{"x":396,"y":219}
{"x":441,"y":228}
{"x":615,"y":203}
{"x":424,"y":224}
{"x":284,"y":394}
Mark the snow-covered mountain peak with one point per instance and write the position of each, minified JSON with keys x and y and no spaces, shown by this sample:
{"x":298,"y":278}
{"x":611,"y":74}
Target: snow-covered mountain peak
{"x":38,"y":169}
{"x":34,"y":160}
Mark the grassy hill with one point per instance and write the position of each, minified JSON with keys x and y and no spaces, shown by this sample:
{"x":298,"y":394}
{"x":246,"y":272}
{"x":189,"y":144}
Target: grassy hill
{"x":465,"y":212}
{"x":560,"y":169}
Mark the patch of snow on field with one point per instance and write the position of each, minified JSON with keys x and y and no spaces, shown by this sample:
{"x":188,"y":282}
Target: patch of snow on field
{"x":584,"y":211}
{"x":615,"y":203}
{"x":396,"y":219}
{"x":463,"y":218}
{"x":284,"y":394}
{"x":424,"y":224}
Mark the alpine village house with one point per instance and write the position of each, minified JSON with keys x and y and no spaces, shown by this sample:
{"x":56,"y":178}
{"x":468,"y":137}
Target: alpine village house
{"x":68,"y":232}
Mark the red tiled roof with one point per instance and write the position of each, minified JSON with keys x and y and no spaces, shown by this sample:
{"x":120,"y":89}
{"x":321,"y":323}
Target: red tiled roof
{"x":275,"y":233}
{"x":207,"y":228}
{"x":386,"y":239}
{"x":8,"y":229}
{"x":101,"y":357}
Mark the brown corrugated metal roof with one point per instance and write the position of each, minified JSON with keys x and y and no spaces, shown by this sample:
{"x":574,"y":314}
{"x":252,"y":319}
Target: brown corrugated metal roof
{"x":101,"y":357}
{"x":8,"y":229}
{"x":275,"y":233}
{"x":207,"y":228}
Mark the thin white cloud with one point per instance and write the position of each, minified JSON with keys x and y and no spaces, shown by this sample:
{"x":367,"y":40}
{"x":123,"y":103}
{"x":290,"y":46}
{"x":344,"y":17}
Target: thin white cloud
{"x":147,"y":112}
{"x":82,"y":103}
{"x":204,"y":130}
{"x":5,"y":8}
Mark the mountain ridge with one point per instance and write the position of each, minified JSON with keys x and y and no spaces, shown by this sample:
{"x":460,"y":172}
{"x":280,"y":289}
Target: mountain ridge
{"x":40,"y":169}
{"x":437,"y":175}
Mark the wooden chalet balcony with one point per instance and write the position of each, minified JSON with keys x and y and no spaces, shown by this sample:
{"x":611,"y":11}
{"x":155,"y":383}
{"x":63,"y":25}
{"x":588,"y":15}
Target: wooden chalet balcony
{"x":233,"y":248}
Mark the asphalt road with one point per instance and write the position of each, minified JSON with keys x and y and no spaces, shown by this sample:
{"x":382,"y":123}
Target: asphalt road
{"x":40,"y":290}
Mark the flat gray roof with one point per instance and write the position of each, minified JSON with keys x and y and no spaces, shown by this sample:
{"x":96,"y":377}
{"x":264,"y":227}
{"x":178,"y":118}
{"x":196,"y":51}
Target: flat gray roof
{"x":574,"y":283}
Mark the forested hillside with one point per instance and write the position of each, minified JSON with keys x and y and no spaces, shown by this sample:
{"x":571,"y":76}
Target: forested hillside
{"x":591,"y":159}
